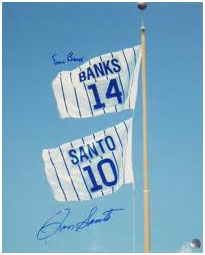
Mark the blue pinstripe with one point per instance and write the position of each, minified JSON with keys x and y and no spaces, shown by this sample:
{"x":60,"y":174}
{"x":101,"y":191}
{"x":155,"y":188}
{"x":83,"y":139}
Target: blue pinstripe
{"x":57,"y":176}
{"x":125,"y":126}
{"x":134,"y":55}
{"x":126,"y":63}
{"x":64,"y":95}
{"x":76,"y":97}
{"x":69,"y":174}
{"x":128,"y":71}
{"x":133,"y":71}
{"x":118,"y":137}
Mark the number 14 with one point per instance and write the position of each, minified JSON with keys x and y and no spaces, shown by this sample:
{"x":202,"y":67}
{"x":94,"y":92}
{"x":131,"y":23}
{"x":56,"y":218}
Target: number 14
{"x":112,"y":91}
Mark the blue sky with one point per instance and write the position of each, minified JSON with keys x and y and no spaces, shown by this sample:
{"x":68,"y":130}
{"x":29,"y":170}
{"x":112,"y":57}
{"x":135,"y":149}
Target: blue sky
{"x":32,"y":33}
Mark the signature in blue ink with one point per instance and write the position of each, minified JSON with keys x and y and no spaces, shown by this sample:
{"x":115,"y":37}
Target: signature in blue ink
{"x":69,"y":58}
{"x":57,"y":222}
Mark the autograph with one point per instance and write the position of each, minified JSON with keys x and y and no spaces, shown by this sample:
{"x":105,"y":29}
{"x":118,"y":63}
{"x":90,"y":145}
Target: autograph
{"x":69,"y":58}
{"x":57,"y":222}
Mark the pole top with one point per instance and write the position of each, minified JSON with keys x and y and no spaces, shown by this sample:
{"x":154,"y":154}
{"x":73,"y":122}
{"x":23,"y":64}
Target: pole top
{"x":142,"y":6}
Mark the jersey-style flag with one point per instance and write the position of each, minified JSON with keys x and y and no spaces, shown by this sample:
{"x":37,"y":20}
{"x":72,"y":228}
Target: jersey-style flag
{"x":91,"y":167}
{"x":104,"y":84}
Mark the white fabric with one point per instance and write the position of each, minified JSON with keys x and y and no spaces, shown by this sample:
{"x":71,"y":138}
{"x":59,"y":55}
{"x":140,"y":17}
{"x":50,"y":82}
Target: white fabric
{"x":111,"y":151}
{"x":74,"y":93}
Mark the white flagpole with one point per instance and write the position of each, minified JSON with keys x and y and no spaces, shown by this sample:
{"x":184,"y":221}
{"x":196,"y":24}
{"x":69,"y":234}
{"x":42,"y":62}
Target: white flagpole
{"x":147,"y":240}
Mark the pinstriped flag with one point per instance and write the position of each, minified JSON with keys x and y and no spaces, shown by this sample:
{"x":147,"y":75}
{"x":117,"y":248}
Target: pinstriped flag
{"x":104,"y":84}
{"x":91,"y":167}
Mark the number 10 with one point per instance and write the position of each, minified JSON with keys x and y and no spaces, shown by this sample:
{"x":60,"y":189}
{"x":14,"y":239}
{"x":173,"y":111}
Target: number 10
{"x":110,"y":166}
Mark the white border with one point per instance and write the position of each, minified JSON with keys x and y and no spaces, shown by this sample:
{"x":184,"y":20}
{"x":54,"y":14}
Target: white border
{"x":1,"y":110}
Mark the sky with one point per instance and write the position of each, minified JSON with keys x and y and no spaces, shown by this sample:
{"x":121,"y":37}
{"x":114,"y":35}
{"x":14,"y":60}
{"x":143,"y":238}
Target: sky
{"x":32,"y":33}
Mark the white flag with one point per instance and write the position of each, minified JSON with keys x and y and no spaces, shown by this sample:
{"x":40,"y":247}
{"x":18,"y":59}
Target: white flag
{"x":91,"y":167}
{"x":104,"y":84}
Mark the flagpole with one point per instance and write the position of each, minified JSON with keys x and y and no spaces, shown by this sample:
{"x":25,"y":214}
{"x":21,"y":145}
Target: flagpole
{"x":147,"y":240}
